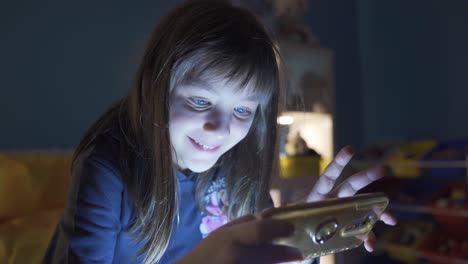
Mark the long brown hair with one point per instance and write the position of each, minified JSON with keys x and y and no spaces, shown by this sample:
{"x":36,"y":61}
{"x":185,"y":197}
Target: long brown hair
{"x":200,"y":38}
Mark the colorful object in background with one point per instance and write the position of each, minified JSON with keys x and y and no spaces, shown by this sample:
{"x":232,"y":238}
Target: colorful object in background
{"x":411,"y":159}
{"x":431,"y":200}
{"x":451,"y":206}
{"x":291,"y":167}
{"x":297,"y":146}
{"x":300,"y":160}
{"x":415,"y":240}
{"x":402,"y":242}
{"x":404,"y":160}
{"x":453,"y":154}
{"x":443,"y":246}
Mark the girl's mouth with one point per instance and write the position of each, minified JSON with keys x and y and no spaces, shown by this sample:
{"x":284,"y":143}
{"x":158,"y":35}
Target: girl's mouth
{"x":203,"y":147}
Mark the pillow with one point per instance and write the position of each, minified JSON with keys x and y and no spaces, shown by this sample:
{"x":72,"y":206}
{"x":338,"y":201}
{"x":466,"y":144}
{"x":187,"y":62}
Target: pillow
{"x":32,"y":181}
{"x":17,"y":193}
{"x":25,"y":239}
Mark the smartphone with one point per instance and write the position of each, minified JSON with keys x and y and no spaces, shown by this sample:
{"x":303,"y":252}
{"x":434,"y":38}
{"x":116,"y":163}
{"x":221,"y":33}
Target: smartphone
{"x":332,"y":225}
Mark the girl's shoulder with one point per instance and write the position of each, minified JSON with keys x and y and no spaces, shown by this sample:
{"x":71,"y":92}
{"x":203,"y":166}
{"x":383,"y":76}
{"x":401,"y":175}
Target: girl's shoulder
{"x":96,"y":171}
{"x":104,"y":149}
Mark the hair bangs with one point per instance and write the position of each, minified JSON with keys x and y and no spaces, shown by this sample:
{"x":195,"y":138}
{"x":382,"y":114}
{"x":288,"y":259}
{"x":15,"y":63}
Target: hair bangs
{"x":258,"y":73}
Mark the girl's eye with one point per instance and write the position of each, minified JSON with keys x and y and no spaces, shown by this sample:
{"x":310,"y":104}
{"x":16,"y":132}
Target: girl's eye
{"x":243,"y":112}
{"x":199,"y":103}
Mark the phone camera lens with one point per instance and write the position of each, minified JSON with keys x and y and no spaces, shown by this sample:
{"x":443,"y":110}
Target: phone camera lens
{"x":324,"y":231}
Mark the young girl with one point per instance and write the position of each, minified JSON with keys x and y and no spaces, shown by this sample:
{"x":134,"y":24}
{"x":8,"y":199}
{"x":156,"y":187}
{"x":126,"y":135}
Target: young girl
{"x":192,"y":147}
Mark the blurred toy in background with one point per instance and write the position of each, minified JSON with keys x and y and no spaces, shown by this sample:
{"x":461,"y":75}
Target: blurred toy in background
{"x":297,"y":146}
{"x":402,"y":242}
{"x":284,"y":17}
{"x":291,"y":22}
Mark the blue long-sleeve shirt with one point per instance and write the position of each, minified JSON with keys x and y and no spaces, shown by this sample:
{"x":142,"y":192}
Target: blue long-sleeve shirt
{"x":94,"y":226}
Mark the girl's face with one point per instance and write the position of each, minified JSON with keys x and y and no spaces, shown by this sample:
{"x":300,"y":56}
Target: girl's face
{"x":208,"y":118}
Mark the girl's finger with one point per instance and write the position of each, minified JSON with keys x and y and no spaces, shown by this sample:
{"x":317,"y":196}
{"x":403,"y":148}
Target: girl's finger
{"x":354,"y":183}
{"x":326,"y":182}
{"x":369,"y":243}
{"x":388,"y":218}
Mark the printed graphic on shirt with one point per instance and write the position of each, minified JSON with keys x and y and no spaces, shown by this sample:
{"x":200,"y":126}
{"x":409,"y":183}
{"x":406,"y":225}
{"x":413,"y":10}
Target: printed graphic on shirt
{"x":216,"y":206}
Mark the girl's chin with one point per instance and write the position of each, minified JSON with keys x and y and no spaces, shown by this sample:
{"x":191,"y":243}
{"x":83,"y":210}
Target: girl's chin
{"x":200,"y":165}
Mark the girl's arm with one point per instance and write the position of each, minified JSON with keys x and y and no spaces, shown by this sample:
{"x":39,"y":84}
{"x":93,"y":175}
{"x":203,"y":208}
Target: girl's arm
{"x":91,"y":222}
{"x":97,"y":214}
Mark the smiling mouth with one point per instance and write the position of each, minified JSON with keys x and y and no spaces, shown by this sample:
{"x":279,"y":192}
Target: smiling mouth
{"x":202,"y":147}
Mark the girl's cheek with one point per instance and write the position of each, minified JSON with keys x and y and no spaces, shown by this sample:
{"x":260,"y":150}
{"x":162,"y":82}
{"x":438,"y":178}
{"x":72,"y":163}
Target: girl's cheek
{"x":184,"y":113}
{"x":244,"y":124}
{"x":240,"y":129}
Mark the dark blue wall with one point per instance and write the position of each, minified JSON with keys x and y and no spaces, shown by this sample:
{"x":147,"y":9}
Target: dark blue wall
{"x":62,"y":64}
{"x":414,"y":68}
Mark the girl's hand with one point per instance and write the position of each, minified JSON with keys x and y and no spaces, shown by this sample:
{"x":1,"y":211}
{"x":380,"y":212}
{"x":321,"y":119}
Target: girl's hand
{"x":323,"y":189}
{"x":245,"y":240}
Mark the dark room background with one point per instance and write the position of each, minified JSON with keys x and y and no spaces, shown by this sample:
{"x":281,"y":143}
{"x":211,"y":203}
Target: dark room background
{"x":400,"y":66}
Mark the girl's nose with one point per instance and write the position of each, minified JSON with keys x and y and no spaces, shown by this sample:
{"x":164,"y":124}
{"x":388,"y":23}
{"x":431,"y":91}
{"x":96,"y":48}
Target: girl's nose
{"x":219,"y":126}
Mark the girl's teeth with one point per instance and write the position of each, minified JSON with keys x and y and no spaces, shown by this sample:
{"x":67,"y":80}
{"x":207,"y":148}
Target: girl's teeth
{"x":203,"y":146}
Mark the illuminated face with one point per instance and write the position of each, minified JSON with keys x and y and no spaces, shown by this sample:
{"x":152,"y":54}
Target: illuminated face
{"x":208,"y":118}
